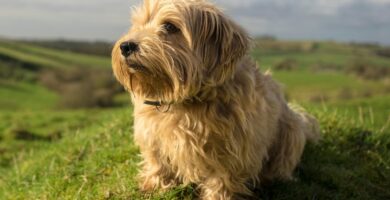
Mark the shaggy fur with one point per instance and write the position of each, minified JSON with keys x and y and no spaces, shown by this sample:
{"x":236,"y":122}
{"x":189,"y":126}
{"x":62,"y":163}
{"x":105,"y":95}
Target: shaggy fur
{"x":227,"y":125}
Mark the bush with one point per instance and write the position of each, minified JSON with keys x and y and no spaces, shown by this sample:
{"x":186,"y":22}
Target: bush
{"x":384,"y":52}
{"x":100,"y":48}
{"x":319,"y":98}
{"x":81,"y":88}
{"x":287,"y":65}
{"x":13,"y":69}
{"x":325,"y":67}
{"x":368,"y":70}
{"x":270,"y":44}
{"x":365,"y":45}
{"x":345,"y":94}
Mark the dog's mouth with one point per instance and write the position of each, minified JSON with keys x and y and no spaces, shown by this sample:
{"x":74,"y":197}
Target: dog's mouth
{"x":136,"y":66}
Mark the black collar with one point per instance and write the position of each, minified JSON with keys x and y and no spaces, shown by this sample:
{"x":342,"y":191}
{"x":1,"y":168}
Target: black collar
{"x":158,"y":105}
{"x":153,"y":103}
{"x":161,"y":104}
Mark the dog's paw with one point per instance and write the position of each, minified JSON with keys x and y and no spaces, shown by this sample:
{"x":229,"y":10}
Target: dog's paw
{"x":149,"y":183}
{"x":152,"y":183}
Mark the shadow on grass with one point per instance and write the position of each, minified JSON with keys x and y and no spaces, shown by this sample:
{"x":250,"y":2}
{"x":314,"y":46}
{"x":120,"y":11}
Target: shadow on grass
{"x":25,"y":135}
{"x":346,"y":164}
{"x":354,"y":165}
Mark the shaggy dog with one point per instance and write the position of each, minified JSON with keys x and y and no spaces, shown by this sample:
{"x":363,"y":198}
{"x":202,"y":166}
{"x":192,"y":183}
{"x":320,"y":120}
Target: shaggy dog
{"x":203,"y":112}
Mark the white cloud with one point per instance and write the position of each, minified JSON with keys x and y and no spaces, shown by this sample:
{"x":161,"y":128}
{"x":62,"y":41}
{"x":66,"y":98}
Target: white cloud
{"x":379,"y":1}
{"x":107,"y":19}
{"x":325,"y":7}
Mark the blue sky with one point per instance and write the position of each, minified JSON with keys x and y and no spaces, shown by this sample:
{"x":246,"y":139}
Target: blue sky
{"x":343,"y":20}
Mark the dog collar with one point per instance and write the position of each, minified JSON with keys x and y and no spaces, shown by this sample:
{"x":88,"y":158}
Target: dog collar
{"x":158,"y":105}
{"x":153,"y":103}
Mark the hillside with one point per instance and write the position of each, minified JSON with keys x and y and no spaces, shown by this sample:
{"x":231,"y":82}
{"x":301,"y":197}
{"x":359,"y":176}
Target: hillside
{"x":27,"y":72}
{"x":48,"y":151}
{"x":48,"y":57}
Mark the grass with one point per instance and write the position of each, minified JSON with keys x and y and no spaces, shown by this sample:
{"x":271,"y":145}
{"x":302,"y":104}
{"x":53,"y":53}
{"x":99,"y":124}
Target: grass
{"x":71,"y":167}
{"x":48,"y":153}
{"x":25,"y":96}
{"x":350,"y":162}
{"x":305,"y":85}
{"x":99,"y":161}
{"x":373,"y":112}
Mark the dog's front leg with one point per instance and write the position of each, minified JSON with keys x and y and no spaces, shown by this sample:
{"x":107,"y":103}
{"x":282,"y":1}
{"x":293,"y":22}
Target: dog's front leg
{"x":214,"y":189}
{"x":155,"y":174}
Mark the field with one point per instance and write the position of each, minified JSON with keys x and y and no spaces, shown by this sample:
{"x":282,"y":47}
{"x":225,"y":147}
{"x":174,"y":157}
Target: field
{"x":53,"y":146}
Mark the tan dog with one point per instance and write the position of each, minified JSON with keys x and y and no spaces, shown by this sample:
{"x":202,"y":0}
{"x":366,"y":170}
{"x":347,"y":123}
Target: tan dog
{"x":204,"y":114}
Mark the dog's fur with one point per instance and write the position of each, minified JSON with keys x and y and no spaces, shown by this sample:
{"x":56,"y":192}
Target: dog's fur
{"x":227,"y":126}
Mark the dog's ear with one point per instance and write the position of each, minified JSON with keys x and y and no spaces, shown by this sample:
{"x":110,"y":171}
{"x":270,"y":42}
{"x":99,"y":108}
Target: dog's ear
{"x":219,"y":41}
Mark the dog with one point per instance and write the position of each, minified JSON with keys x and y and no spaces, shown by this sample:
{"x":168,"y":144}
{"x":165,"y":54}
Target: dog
{"x":203,"y":112}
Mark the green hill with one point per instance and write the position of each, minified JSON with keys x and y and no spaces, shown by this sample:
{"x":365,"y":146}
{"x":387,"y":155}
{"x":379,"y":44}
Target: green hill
{"x":22,"y":65}
{"x":311,"y":53}
{"x":49,"y":152}
{"x":47,"y":57}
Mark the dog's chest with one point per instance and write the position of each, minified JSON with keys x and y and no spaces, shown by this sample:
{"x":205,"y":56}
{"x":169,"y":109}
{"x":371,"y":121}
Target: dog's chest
{"x":173,"y":138}
{"x":162,"y":128}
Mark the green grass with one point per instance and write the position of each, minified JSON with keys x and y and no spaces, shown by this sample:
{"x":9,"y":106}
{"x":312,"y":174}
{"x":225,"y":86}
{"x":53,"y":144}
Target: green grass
{"x":97,"y":159}
{"x":306,"y":85}
{"x":100,"y":151}
{"x":351,"y":162}
{"x":373,"y":112}
{"x":25,"y":96}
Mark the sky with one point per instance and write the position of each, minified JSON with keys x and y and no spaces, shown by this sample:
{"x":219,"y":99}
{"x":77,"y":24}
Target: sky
{"x":340,"y":20}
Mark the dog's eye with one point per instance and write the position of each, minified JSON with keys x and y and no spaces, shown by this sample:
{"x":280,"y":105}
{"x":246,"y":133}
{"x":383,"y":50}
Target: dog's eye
{"x":170,"y":28}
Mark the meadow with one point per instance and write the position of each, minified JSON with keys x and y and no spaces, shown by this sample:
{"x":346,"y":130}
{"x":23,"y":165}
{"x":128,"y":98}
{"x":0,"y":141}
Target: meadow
{"x":53,"y":145}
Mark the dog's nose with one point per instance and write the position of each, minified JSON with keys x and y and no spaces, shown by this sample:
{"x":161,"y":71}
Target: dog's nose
{"x":128,"y":48}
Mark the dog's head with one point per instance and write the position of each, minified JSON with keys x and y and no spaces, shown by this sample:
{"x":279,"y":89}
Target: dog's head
{"x":176,"y":48}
